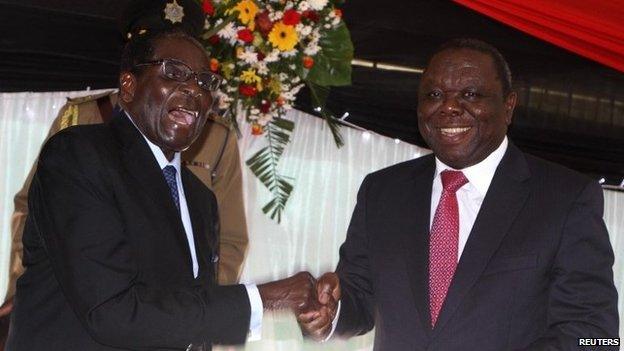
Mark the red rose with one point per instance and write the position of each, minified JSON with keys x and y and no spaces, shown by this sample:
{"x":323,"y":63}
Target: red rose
{"x":245,"y":35}
{"x":208,"y":7}
{"x":265,"y":106}
{"x":311,"y":15}
{"x":247,"y":90}
{"x":213,"y":40}
{"x":264,"y":23}
{"x":291,"y":17}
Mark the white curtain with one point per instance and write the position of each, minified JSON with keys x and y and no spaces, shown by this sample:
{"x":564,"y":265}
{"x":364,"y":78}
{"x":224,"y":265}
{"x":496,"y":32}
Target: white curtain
{"x":614,"y":219}
{"x":313,"y":226}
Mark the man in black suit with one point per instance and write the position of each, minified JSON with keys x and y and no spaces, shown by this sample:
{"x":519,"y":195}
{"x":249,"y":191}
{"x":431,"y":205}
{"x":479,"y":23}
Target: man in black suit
{"x":478,"y":246}
{"x":120,"y":240}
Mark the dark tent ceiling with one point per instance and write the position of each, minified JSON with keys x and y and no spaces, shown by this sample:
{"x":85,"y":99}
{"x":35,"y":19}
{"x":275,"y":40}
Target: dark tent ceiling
{"x":571,"y":109}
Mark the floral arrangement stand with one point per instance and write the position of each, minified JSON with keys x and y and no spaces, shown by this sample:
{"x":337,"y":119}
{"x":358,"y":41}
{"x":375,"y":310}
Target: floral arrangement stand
{"x":267,"y":51}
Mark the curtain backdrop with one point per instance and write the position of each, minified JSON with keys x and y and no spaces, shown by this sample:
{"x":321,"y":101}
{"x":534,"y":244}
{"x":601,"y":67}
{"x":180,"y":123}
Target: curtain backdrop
{"x":314,"y":225}
{"x":593,"y":29}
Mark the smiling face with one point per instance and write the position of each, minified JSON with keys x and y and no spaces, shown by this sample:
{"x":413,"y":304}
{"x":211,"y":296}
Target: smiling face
{"x":462,"y":113}
{"x":169,"y":113}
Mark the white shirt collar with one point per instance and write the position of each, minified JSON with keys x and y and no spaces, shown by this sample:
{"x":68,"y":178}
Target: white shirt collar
{"x":158,"y":153}
{"x":479,"y":175}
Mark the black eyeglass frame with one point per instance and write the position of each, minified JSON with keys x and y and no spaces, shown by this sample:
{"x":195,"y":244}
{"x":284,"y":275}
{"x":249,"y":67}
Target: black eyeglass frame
{"x":206,"y":86}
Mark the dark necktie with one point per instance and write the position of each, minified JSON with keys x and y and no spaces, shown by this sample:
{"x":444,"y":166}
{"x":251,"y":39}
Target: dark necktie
{"x":443,"y":242}
{"x":170,"y":177}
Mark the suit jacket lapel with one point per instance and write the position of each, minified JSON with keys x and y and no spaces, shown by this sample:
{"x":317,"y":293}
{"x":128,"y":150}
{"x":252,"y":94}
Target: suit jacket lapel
{"x":149,"y":181}
{"x":418,"y":215}
{"x":505,"y":198}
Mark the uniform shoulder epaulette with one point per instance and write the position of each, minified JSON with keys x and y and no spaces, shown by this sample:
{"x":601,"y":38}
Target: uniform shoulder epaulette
{"x":88,"y":98}
{"x":72,"y":112}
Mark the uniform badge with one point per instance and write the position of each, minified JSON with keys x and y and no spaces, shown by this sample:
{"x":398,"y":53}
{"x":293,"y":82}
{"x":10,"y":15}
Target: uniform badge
{"x":174,"y":12}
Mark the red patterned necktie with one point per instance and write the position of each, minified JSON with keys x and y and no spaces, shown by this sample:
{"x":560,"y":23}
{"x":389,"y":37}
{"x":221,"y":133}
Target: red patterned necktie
{"x":443,"y":242}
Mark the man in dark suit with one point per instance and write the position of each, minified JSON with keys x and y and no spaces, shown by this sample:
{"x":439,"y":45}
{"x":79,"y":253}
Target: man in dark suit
{"x":478,"y":246}
{"x":120,"y":239}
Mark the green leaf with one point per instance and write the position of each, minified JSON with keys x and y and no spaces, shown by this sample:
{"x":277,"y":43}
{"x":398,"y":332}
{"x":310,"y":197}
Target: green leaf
{"x":319,"y":96}
{"x":263,"y":164}
{"x":332,"y":65}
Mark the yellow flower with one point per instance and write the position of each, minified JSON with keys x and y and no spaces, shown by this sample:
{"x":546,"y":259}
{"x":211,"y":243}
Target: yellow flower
{"x":274,"y":86}
{"x":250,"y":77}
{"x":283,"y":37}
{"x":247,"y":10}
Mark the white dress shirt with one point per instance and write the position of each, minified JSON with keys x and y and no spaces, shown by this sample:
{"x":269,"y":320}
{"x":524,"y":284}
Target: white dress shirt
{"x":255,"y":324}
{"x":471,"y":195}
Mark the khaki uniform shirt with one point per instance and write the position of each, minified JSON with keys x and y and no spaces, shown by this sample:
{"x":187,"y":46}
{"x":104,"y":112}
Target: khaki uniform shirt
{"x":213,"y":158}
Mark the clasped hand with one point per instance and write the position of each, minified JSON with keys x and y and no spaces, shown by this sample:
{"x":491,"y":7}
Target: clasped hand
{"x":313,"y":302}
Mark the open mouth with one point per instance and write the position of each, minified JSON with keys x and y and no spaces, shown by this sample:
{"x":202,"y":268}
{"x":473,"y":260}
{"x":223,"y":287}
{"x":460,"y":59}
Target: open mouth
{"x":455,"y":131}
{"x":183,"y":116}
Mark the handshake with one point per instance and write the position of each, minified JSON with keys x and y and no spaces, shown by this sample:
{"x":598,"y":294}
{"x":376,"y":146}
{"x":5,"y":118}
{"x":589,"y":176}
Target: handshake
{"x":314,"y":302}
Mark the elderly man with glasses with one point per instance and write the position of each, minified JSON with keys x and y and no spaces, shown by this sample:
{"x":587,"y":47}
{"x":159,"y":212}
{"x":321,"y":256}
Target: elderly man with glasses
{"x":120,"y":240}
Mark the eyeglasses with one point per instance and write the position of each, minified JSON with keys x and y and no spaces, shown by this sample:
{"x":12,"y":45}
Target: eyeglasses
{"x":180,"y":72}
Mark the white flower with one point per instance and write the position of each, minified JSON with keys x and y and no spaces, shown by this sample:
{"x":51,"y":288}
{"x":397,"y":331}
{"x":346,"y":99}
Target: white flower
{"x":317,"y":4}
{"x":229,"y":33}
{"x":316,"y":34}
{"x":303,"y":6}
{"x":272,"y":56}
{"x":261,"y":68}
{"x":312,"y":49}
{"x":276,"y":16}
{"x":248,"y":56}
{"x":303,"y":30}
{"x":224,"y":100}
{"x":290,"y":53}
{"x":288,"y":95}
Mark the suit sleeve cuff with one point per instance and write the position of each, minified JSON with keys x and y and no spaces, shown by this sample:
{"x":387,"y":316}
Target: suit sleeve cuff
{"x":255,"y":322}
{"x":334,"y":323}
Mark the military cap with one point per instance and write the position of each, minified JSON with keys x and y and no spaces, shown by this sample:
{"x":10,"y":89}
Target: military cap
{"x":142,"y":16}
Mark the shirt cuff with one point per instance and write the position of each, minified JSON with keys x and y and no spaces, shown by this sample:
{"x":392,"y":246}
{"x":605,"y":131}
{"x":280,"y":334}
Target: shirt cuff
{"x":255,"y":322}
{"x":334,"y":323}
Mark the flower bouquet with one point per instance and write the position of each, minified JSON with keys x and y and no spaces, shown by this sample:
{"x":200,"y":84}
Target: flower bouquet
{"x":267,"y":51}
